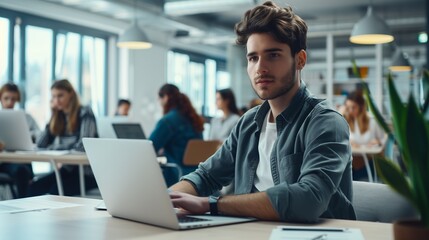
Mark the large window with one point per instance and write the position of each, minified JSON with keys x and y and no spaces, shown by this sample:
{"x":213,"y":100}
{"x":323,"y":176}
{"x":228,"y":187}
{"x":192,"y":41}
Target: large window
{"x":4,"y":50}
{"x":38,"y":69}
{"x":198,"y":77}
{"x":37,"y":51}
{"x":67,"y":57}
{"x":93,"y":72}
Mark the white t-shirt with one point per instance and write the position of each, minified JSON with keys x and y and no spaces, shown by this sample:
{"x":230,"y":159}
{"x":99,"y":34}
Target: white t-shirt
{"x":373,"y":132}
{"x":264,"y":178}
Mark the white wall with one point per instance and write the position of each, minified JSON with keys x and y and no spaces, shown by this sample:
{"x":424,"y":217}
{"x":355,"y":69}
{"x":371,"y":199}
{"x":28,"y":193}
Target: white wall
{"x":147,"y":71}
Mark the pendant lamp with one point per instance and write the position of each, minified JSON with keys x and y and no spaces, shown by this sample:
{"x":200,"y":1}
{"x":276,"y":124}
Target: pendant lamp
{"x":400,"y":62}
{"x":371,"y":30}
{"x":133,"y":37}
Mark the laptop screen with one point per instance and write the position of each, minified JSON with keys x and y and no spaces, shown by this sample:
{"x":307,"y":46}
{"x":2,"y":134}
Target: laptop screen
{"x":14,"y":130}
{"x":129,"y":130}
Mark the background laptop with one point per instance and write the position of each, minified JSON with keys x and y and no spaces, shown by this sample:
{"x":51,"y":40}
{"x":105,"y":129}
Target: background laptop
{"x":132,"y":185}
{"x":14,"y":130}
{"x":128,"y":130}
{"x":105,"y":128}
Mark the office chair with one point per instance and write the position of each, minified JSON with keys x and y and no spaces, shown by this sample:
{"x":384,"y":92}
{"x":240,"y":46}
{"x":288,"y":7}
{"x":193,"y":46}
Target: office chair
{"x":6,"y":180}
{"x":379,"y":203}
{"x":198,"y":151}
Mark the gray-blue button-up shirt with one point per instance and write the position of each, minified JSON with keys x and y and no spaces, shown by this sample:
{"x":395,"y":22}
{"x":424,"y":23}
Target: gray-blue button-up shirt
{"x":310,"y":161}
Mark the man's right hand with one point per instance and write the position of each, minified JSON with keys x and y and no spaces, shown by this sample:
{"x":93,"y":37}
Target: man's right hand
{"x":190,"y":203}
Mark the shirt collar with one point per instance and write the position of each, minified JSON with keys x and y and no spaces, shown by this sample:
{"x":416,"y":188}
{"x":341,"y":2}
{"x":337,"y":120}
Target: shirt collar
{"x":289,"y":113}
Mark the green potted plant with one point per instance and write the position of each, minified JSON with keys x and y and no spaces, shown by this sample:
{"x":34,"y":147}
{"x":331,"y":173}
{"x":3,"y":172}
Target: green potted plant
{"x":411,"y":133}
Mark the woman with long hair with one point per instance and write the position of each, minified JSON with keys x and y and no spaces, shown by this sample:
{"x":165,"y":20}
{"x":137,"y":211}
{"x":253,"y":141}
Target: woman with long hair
{"x":363,"y":129}
{"x":179,"y":124}
{"x":20,"y":173}
{"x":69,"y":123}
{"x":221,"y":127}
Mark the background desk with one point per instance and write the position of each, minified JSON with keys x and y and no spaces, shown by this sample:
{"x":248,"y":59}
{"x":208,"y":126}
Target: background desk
{"x":364,"y":151}
{"x":73,"y":158}
{"x":84,"y":222}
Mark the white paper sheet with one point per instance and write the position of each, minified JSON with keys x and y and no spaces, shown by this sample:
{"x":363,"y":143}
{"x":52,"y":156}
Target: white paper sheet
{"x":315,"y":233}
{"x":31,"y":204}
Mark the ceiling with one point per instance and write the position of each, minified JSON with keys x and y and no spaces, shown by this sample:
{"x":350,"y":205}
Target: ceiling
{"x":211,"y":22}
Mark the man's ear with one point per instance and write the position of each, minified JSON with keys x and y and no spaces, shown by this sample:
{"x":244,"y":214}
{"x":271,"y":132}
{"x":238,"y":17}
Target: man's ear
{"x":301,"y":59}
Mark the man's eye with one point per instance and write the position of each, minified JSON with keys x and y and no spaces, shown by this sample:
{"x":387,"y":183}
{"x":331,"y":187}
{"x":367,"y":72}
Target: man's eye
{"x":252,"y":59}
{"x":274,"y":55}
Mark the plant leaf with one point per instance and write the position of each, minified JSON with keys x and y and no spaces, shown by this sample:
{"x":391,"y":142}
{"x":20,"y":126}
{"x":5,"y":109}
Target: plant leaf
{"x":355,"y":69}
{"x":367,"y":94}
{"x":417,"y":140}
{"x":425,"y":83}
{"x":399,"y":112}
{"x":394,"y":177}
{"x":417,"y":137}
{"x":374,"y":109}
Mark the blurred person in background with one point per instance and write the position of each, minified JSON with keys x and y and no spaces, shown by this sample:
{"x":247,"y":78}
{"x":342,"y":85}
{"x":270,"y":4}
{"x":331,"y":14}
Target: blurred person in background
{"x":123,"y":107}
{"x":221,"y":127}
{"x":172,"y":132}
{"x":20,"y":173}
{"x":69,"y":123}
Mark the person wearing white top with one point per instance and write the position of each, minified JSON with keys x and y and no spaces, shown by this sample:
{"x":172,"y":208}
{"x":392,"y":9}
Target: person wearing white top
{"x":268,"y":137}
{"x":373,"y":136}
{"x":309,"y":157}
{"x":220,"y":127}
{"x":364,"y":131}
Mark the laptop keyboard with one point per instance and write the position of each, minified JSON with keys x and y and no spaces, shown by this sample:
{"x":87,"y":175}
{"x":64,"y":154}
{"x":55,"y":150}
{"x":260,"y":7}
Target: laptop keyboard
{"x":187,"y":219}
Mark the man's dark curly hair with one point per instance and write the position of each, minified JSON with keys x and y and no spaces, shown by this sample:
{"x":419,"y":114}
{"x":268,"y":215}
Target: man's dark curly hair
{"x":284,"y":25}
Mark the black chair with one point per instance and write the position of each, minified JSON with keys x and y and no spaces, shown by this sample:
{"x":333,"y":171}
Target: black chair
{"x":6,"y":180}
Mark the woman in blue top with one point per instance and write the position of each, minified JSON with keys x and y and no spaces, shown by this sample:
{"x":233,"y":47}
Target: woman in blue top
{"x":179,"y":124}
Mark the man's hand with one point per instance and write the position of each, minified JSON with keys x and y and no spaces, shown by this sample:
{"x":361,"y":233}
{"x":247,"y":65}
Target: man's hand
{"x":190,"y":203}
{"x":257,"y":205}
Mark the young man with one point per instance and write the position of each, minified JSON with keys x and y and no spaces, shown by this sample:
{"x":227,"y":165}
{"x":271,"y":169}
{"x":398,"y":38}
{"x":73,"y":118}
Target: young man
{"x":290,"y":158}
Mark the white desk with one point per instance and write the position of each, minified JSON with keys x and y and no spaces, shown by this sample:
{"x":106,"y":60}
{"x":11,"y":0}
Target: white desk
{"x":73,"y":158}
{"x":84,"y":222}
{"x":364,"y":151}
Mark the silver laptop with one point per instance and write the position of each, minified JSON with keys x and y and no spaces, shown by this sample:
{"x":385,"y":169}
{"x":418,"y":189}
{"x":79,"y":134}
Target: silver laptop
{"x":14,"y":130}
{"x":105,"y":128}
{"x":132,"y":185}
